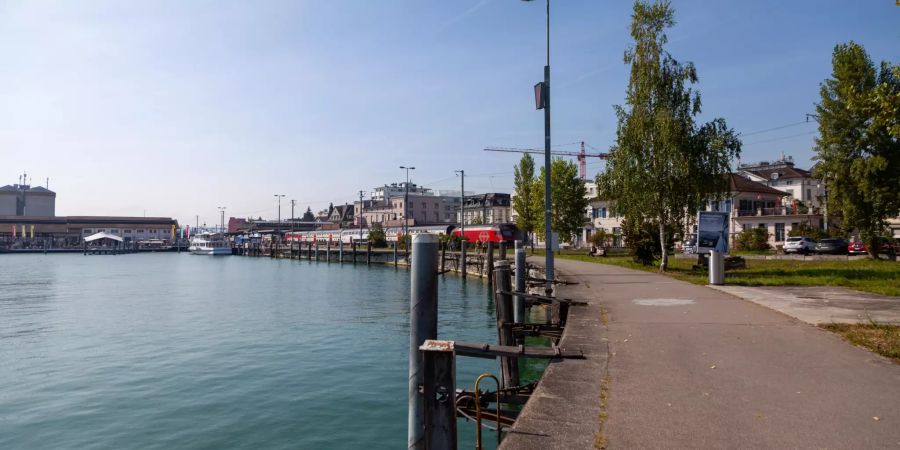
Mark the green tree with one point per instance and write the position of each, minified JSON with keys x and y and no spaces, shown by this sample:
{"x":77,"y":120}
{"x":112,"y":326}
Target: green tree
{"x":308,"y":215}
{"x":568,"y":199}
{"x":377,"y":236}
{"x":523,"y":198}
{"x":663,"y":166}
{"x":858,"y":147}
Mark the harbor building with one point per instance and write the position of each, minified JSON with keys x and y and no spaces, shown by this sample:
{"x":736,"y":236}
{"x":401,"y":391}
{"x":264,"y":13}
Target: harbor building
{"x":28,"y":216}
{"x":22,"y":199}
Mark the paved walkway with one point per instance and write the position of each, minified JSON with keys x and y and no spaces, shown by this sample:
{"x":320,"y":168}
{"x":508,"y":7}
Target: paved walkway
{"x":822,"y":304}
{"x":692,"y":367}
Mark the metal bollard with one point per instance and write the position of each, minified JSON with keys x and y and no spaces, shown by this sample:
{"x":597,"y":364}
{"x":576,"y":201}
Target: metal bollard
{"x":423,"y":303}
{"x":716,"y":268}
{"x":521,"y":272}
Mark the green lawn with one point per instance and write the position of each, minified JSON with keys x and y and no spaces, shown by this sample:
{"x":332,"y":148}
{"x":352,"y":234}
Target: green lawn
{"x":877,"y":277}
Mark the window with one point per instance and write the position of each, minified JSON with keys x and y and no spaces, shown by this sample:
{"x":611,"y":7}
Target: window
{"x":779,"y":232}
{"x":790,"y":182}
{"x":762,"y":225}
{"x":127,"y":231}
{"x":87,"y":231}
{"x":809,"y":194}
{"x":595,"y":213}
{"x":603,"y":213}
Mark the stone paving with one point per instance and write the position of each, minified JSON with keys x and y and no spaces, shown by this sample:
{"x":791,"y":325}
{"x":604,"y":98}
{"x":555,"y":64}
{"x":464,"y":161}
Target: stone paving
{"x":692,"y":367}
{"x":822,"y":304}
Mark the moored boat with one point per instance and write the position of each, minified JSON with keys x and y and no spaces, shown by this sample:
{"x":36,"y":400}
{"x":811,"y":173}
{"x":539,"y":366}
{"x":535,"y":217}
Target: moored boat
{"x":209,"y":244}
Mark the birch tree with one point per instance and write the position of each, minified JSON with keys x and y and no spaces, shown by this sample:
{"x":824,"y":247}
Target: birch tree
{"x":663,"y":166}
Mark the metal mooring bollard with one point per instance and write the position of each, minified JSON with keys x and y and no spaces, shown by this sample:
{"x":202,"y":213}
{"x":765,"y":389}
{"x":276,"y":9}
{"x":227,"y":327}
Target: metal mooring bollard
{"x":423,"y":303}
{"x":521,"y":271}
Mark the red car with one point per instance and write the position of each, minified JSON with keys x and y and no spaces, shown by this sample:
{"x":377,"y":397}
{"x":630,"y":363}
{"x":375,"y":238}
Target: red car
{"x":859,"y":248}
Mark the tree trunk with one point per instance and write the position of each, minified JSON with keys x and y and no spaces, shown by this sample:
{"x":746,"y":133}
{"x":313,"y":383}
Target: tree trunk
{"x":664,"y":263}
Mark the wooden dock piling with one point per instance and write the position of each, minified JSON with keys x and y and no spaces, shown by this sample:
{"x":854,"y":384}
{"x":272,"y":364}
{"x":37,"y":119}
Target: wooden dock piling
{"x":509,"y":366}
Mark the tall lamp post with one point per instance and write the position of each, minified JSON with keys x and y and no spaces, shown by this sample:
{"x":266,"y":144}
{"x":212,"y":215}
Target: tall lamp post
{"x":406,"y":202}
{"x":278,"y":227}
{"x":542,"y":97}
{"x":222,"y":212}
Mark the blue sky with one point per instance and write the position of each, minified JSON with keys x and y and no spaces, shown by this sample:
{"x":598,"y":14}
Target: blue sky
{"x":175,"y":108}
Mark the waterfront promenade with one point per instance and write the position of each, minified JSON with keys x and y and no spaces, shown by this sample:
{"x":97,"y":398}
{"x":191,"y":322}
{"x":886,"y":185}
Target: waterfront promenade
{"x":692,"y":367}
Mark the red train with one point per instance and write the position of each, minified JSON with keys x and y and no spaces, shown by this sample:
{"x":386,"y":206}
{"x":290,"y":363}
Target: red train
{"x":489,"y":233}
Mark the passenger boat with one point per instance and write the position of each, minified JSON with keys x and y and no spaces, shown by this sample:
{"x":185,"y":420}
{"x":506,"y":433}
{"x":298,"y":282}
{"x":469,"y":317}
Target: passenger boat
{"x":209,"y":244}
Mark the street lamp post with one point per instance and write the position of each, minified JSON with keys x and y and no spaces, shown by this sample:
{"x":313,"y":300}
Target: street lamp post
{"x":545,"y":105}
{"x":406,"y":203}
{"x":278,"y":227}
{"x":222,"y":211}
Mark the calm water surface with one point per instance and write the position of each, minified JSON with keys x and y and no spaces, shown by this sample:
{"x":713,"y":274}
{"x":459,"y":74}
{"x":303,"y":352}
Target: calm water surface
{"x":175,"y":351}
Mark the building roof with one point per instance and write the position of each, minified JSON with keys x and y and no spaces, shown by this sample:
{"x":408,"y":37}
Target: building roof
{"x":102,"y":235}
{"x":9,"y":188}
{"x":784,"y":171}
{"x":737,"y":183}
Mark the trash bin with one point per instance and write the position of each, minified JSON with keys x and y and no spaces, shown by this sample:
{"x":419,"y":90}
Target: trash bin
{"x":716,"y":268}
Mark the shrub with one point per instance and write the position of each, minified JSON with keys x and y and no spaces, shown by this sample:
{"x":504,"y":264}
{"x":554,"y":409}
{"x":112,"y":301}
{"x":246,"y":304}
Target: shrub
{"x":377,"y":236}
{"x":752,"y":239}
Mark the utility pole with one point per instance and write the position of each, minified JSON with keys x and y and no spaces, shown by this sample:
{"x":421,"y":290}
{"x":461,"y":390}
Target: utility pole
{"x":222,"y":212}
{"x":360,"y":219}
{"x":462,"y":202}
{"x":462,"y":223}
{"x":293,"y":203}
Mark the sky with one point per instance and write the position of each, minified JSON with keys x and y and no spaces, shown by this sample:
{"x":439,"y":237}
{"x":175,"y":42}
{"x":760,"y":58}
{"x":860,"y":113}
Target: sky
{"x":175,"y":108}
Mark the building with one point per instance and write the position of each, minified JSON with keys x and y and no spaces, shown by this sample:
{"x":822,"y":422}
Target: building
{"x":488,"y":208}
{"x":388,"y":191}
{"x":600,"y":217}
{"x":342,"y":215}
{"x":24,"y":200}
{"x":422,"y":210}
{"x":801,"y":188}
{"x":70,"y":230}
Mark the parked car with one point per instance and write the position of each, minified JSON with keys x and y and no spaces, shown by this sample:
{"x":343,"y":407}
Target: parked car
{"x":831,"y":246}
{"x":799,"y":244}
{"x":689,"y":246}
{"x":888,"y":246}
{"x":857,"y":248}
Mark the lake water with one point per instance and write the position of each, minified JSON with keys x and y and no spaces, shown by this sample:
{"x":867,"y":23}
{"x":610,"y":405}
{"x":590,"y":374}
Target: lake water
{"x":176,"y":351}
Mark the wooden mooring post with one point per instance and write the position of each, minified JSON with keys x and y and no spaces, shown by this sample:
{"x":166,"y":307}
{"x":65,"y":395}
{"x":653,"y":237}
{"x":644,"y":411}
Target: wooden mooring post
{"x":509,"y":366}
{"x":354,"y":244}
{"x":341,"y":250}
{"x":443,"y":257}
{"x":502,"y":250}
{"x":490,"y":263}
{"x":521,"y":272}
{"x":368,"y":252}
{"x":439,"y":393}
{"x":461,"y":262}
{"x":395,"y":254}
{"x":328,"y":251}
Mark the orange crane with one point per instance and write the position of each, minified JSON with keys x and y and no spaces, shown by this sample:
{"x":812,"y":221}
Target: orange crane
{"x":581,"y":155}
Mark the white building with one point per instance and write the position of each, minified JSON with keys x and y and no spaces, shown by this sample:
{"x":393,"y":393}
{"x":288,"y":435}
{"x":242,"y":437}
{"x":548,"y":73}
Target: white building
{"x":387,"y":191}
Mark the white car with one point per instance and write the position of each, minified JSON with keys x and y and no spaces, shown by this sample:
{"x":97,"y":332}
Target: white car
{"x":799,"y":244}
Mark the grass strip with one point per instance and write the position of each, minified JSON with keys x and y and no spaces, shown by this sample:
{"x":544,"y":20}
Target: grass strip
{"x":880,"y":338}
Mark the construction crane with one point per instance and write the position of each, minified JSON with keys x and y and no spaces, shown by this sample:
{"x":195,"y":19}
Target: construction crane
{"x":581,"y":155}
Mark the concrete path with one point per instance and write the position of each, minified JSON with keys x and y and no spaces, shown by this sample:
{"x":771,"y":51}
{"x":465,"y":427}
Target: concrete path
{"x":692,"y":367}
{"x":822,"y":304}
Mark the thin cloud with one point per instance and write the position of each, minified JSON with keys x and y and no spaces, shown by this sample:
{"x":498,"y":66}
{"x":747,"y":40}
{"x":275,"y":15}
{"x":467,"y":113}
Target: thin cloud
{"x":460,"y":17}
